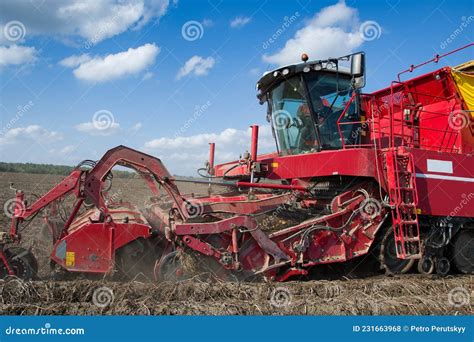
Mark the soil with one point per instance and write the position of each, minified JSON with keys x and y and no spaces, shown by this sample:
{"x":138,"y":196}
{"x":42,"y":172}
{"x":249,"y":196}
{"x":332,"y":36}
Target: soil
{"x":375,"y":295}
{"x":404,"y":295}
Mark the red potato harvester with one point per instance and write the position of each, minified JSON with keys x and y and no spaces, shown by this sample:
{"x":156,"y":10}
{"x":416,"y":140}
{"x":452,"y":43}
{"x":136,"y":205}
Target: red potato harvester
{"x":387,"y":175}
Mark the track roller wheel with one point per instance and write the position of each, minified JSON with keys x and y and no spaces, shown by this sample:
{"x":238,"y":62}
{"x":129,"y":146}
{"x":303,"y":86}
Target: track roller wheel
{"x":136,"y":259}
{"x":442,"y":266}
{"x":463,"y":251}
{"x":388,"y":256}
{"x":169,"y":268}
{"x":22,"y":261}
{"x":426,"y":265}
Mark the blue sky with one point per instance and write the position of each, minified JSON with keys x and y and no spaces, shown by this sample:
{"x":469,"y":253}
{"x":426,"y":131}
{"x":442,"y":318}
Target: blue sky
{"x":80,"y":77}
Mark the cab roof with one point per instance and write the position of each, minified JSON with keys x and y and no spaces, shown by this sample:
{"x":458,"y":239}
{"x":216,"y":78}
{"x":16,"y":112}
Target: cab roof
{"x":271,"y":78}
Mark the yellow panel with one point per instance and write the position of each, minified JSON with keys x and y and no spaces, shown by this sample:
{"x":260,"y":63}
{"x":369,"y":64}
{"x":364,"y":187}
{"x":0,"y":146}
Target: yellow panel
{"x":465,"y":83}
{"x":70,"y":258}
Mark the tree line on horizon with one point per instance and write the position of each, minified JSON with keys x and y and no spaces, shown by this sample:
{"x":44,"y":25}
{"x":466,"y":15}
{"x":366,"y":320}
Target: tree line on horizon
{"x":51,"y":169}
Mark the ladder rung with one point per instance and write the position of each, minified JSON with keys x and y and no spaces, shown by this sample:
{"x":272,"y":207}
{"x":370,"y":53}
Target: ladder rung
{"x":413,"y":256}
{"x":409,"y":222}
{"x":412,"y":239}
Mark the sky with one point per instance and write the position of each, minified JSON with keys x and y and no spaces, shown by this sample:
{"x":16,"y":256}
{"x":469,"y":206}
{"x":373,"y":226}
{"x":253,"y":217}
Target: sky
{"x":167,"y":77}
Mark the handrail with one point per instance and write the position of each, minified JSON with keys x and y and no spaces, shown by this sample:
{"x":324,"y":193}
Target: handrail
{"x":381,"y":131}
{"x":342,"y":115}
{"x":435,"y":59}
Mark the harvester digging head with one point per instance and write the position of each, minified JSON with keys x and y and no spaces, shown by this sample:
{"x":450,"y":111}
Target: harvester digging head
{"x":101,"y":234}
{"x":16,"y":261}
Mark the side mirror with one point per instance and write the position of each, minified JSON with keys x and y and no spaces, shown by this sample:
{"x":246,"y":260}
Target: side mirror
{"x":358,"y":70}
{"x":358,"y":64}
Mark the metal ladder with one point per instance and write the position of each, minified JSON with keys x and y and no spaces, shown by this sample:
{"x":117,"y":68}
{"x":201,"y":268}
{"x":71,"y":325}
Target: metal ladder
{"x":403,"y":197}
{"x":399,"y":169}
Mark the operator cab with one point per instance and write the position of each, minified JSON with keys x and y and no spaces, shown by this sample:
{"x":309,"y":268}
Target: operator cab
{"x":306,"y":100}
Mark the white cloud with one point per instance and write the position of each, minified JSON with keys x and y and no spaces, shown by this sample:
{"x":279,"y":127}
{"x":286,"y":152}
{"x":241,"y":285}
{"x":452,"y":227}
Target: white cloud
{"x":94,"y":129}
{"x":228,"y":137}
{"x":75,"y":60}
{"x":63,"y":151}
{"x":332,"y":32}
{"x":147,"y":76}
{"x":255,"y":72}
{"x":92,"y":20}
{"x":17,"y":55}
{"x":34,"y":133}
{"x":199,"y":140}
{"x":194,"y":150}
{"x":196,"y":65}
{"x":115,"y":66}
{"x":136,"y":127}
{"x":239,"y":22}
